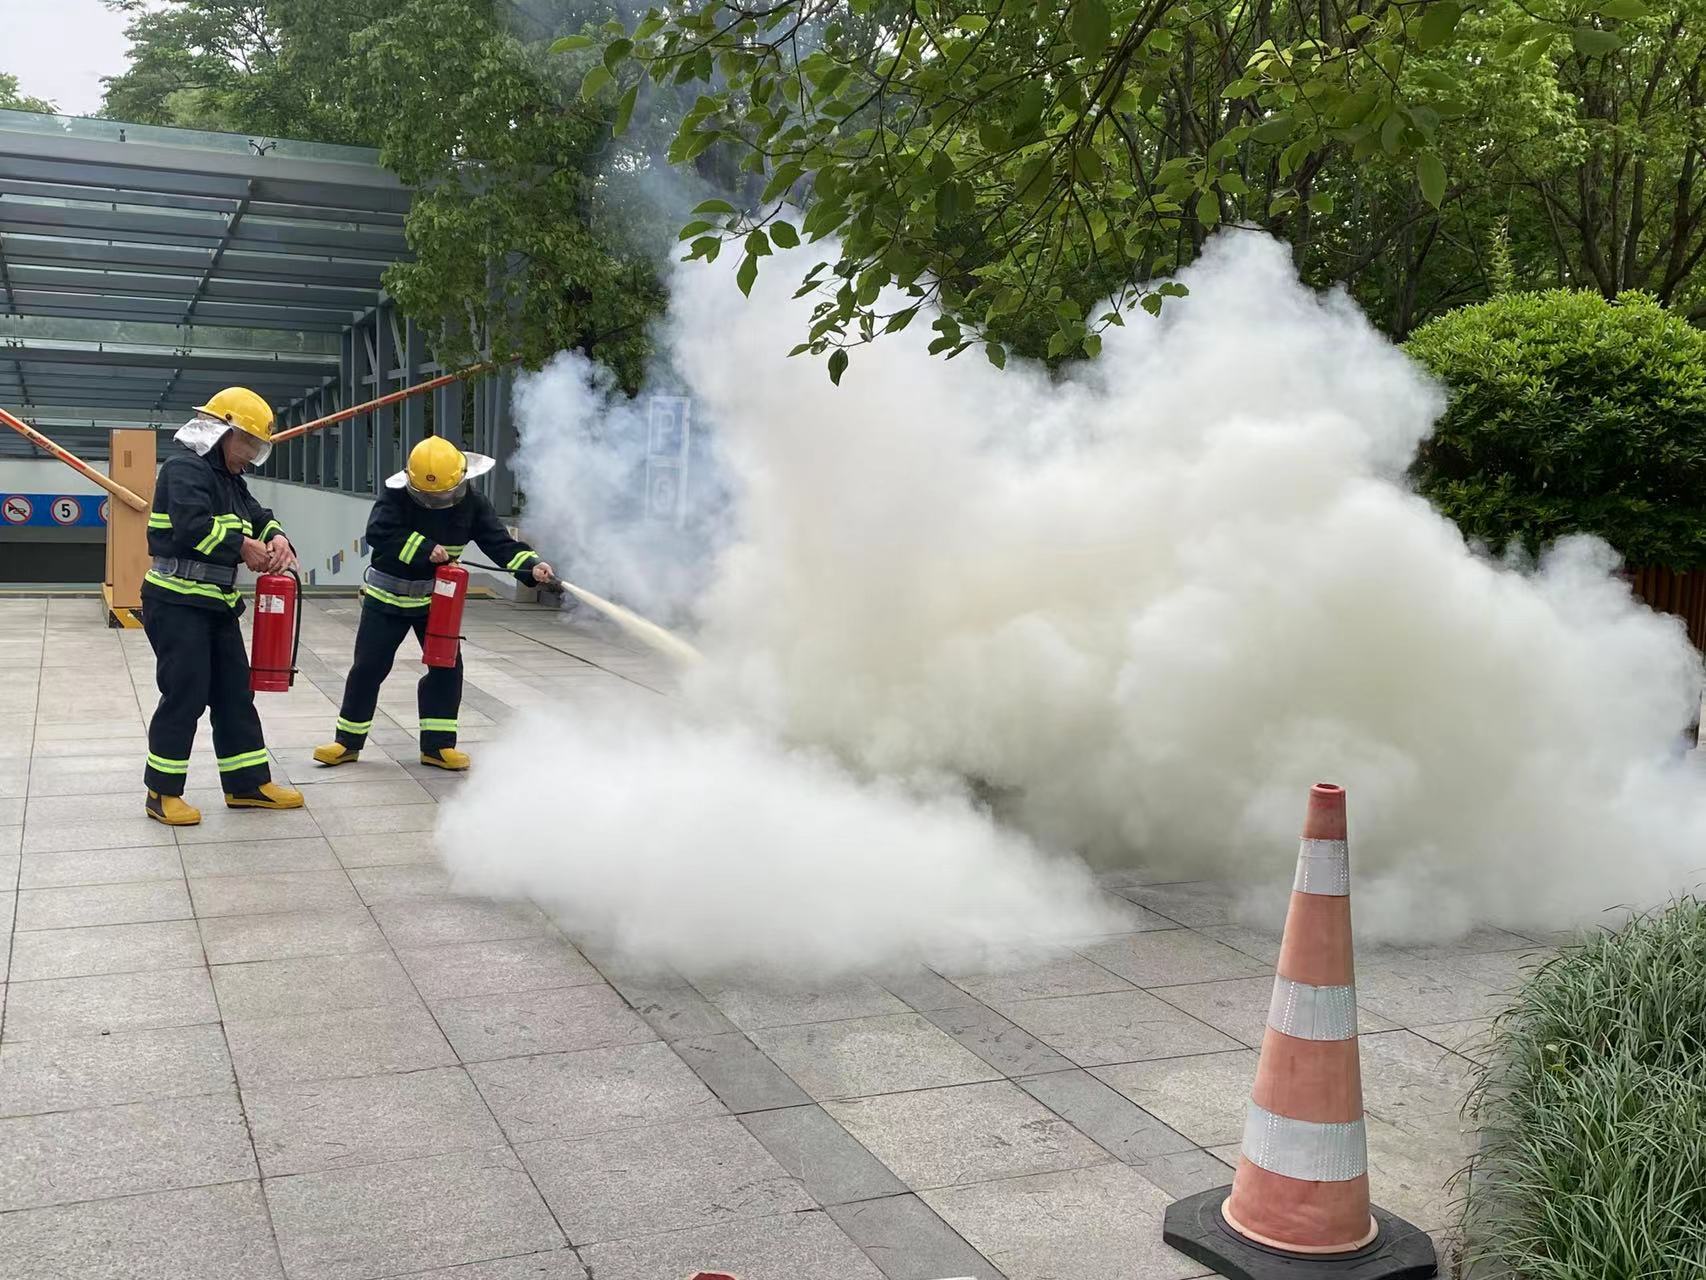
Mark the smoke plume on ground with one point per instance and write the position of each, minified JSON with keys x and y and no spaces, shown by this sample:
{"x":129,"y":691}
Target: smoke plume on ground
{"x":1145,"y":608}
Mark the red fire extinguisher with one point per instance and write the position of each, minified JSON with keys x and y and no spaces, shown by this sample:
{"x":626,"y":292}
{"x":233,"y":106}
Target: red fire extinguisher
{"x":278,"y":618}
{"x":444,"y":616}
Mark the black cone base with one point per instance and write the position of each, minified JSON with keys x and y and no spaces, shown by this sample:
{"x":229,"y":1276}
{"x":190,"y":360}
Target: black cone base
{"x":1195,"y":1228}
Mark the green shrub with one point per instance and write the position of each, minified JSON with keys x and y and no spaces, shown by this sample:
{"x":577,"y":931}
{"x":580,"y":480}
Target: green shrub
{"x":1593,"y":1110}
{"x":1570,"y":414}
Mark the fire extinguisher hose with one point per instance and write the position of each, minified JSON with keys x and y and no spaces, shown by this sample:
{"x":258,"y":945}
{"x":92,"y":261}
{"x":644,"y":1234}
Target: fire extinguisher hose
{"x":296,"y":647}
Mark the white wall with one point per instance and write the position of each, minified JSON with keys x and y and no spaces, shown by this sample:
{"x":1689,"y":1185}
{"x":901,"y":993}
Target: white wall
{"x":43,"y":475}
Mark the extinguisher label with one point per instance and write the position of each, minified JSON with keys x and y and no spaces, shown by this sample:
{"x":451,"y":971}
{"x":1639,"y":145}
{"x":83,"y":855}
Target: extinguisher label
{"x":272,"y":604}
{"x":444,"y":588}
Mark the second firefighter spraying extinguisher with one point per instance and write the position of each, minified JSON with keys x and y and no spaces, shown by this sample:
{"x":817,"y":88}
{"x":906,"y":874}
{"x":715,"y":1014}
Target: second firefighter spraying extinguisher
{"x":419,"y":528}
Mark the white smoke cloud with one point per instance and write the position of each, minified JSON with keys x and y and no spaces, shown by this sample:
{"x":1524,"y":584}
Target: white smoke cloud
{"x":1146,"y":607}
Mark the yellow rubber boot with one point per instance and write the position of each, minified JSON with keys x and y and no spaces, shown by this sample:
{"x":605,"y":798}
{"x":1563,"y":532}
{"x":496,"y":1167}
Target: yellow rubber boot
{"x":174,"y":811}
{"x":446,"y":758}
{"x":335,"y":753}
{"x":269,"y":795}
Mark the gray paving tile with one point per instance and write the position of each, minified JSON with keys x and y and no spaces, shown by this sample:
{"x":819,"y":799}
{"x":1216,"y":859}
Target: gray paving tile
{"x":739,"y":1073}
{"x":331,"y":1124}
{"x":1101,"y":1223}
{"x":97,"y":867}
{"x":100,"y":1152}
{"x":674,"y":1009}
{"x":399,"y":883}
{"x":97,"y":949}
{"x":1205,"y":1097}
{"x":358,"y":793}
{"x":210,"y":1233}
{"x":751,"y":1007}
{"x":970,"y":1133}
{"x":1185,"y":1173}
{"x":793,"y":1246}
{"x":559,"y":1020}
{"x":1413,"y":1179}
{"x":926,"y":991}
{"x":508,"y":965}
{"x":1196,"y":905}
{"x":1472,"y":1039}
{"x":1413,"y":992}
{"x":1112,"y":1121}
{"x":346,"y":1042}
{"x":382,"y":820}
{"x":1035,"y":977}
{"x":11,"y":845}
{"x":426,"y":923}
{"x":1120,"y":1026}
{"x":258,"y":857}
{"x":311,"y":984}
{"x":240,"y":939}
{"x":828,"y":1161}
{"x":1010,"y":1049}
{"x":666,"y":1177}
{"x":385,"y":849}
{"x":387,"y":1219}
{"x":1173,"y":957}
{"x":558,"y":1264}
{"x":220,"y":825}
{"x":871,"y":1055}
{"x":109,"y":1070}
{"x":907,"y":1240}
{"x":88,"y":905}
{"x":1412,"y":1083}
{"x":238,"y":895}
{"x":112,"y":1002}
{"x":570,"y":1095}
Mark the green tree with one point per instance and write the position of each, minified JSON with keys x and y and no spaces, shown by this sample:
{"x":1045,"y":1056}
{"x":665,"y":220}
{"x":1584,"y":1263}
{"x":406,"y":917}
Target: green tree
{"x":1001,"y":159}
{"x":11,"y":99}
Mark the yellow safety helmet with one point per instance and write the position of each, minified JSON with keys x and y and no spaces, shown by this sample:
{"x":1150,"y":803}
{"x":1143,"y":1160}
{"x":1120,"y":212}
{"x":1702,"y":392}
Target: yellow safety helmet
{"x":439,"y":472}
{"x":241,"y":408}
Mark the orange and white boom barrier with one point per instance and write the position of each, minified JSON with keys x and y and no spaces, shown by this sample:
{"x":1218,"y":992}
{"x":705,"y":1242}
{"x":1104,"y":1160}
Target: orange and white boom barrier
{"x":71,"y":460}
{"x":355,"y":411}
{"x":1299,"y":1205}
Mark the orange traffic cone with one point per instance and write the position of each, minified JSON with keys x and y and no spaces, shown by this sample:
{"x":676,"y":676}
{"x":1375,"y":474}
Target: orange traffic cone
{"x":1299,"y":1203}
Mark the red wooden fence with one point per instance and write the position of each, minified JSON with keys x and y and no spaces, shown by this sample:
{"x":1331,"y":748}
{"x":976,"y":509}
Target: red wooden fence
{"x":1680,"y":593}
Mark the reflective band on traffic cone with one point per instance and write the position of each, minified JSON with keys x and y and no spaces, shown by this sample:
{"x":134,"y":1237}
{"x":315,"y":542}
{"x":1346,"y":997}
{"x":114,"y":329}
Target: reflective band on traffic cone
{"x":1302,"y":1182}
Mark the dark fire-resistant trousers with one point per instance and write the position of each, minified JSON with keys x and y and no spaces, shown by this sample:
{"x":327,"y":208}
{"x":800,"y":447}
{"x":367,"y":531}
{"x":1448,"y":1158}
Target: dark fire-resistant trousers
{"x":438,"y":696}
{"x":200,"y":665}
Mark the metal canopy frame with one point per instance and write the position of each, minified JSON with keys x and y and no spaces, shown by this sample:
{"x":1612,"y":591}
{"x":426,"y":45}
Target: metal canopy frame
{"x":143,"y":268}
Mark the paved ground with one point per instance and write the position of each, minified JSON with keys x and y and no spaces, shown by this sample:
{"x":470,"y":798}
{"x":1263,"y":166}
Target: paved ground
{"x":276,"y":1045}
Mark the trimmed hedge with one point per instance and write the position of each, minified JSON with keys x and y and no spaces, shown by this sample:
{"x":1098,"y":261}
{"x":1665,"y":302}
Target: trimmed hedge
{"x":1570,"y":414}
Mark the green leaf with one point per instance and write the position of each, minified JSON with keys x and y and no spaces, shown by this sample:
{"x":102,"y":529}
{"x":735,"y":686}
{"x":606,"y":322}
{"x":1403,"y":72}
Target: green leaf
{"x":1091,"y":24}
{"x":595,"y":80}
{"x":1438,"y":24}
{"x":1208,"y":209}
{"x":1151,"y":303}
{"x":747,"y":274}
{"x":837,"y":365}
{"x":757,"y":244}
{"x":899,"y":320}
{"x":1623,"y":10}
{"x":696,"y":228}
{"x":1391,"y":132}
{"x":615,"y":51}
{"x":1092,"y":345}
{"x":1087,"y":164}
{"x":993,"y":136}
{"x":715,"y":206}
{"x":1430,"y":172}
{"x":783,"y":233}
{"x":1592,"y":43}
{"x":997,"y":354}
{"x":1276,"y":130}
{"x":570,"y":43}
{"x":625,"y":110}
{"x":1321,"y":203}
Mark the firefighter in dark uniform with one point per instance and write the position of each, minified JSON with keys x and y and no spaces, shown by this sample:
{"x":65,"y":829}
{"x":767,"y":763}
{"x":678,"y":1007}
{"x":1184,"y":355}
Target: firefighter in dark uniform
{"x":204,"y":525}
{"x":426,"y":517}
